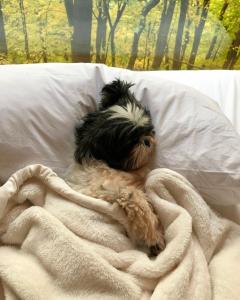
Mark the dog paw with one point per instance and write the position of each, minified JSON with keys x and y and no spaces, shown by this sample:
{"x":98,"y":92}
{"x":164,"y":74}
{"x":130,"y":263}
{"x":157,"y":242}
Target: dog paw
{"x":155,"y":249}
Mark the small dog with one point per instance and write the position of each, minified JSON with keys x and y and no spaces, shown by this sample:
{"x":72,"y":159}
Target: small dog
{"x":113,"y":147}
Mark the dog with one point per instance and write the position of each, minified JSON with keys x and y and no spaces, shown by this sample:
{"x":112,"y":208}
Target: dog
{"x":113,"y":148}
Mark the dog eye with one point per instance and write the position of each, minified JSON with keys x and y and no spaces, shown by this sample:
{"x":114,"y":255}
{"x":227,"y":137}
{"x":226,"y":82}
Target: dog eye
{"x":146,"y":142}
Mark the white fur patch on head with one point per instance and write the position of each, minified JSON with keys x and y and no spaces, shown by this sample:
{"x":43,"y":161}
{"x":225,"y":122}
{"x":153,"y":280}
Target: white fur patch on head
{"x":130,"y":112}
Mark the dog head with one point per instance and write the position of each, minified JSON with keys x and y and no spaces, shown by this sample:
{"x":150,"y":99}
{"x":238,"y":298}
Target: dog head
{"x":120,"y":133}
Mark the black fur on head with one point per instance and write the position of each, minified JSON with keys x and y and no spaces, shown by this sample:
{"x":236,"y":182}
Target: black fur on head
{"x":120,"y":133}
{"x":116,"y":92}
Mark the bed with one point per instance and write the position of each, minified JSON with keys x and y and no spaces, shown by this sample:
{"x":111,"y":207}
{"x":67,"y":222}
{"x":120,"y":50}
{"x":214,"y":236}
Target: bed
{"x":196,"y":172}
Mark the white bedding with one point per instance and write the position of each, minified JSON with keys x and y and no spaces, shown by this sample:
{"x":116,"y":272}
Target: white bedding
{"x":68,"y":246}
{"x":223,"y":86}
{"x":39,"y":105}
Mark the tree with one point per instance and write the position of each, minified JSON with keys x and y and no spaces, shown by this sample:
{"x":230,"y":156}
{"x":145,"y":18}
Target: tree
{"x":186,"y":40}
{"x":165,"y":22}
{"x":216,"y":31}
{"x":103,"y":7}
{"x":138,"y":31}
{"x":43,"y":28}
{"x":3,"y":42}
{"x":198,"y":34}
{"x":232,"y":54}
{"x":121,"y":5}
{"x":79,"y":15}
{"x":24,"y":28}
{"x":147,"y":52}
{"x":220,"y":40}
{"x":178,"y":41}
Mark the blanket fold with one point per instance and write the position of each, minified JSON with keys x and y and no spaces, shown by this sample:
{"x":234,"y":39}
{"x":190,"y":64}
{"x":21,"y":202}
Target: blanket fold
{"x":56,"y":244}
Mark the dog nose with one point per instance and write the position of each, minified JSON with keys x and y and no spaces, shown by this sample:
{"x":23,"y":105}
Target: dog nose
{"x":146,"y":142}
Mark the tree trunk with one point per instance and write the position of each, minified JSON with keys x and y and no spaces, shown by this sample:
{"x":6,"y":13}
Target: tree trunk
{"x":166,"y":57}
{"x":24,"y":27}
{"x":146,"y":52}
{"x":214,"y":39}
{"x":43,"y":35}
{"x":113,"y":48}
{"x":3,"y":42}
{"x":186,"y":41}
{"x":198,"y":34}
{"x":80,"y":17}
{"x":69,"y":6}
{"x":178,"y":42}
{"x":138,"y":31}
{"x":218,"y":47}
{"x":165,"y":22}
{"x":232,"y":54}
{"x":113,"y":26}
{"x":101,"y":30}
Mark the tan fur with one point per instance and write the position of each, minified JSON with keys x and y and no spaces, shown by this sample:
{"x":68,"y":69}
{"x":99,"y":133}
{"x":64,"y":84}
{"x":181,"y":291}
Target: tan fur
{"x":97,"y":180}
{"x":141,"y":155}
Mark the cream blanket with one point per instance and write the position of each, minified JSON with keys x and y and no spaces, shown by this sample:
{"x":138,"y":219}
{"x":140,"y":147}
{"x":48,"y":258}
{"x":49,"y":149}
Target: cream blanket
{"x":58,"y":244}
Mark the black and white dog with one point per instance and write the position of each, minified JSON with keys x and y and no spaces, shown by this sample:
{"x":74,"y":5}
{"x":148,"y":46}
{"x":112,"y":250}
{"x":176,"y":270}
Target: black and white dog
{"x":113,"y":148}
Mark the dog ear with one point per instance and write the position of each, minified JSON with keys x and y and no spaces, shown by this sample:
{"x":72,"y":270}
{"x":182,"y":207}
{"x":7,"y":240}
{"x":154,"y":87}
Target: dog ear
{"x":116,"y":92}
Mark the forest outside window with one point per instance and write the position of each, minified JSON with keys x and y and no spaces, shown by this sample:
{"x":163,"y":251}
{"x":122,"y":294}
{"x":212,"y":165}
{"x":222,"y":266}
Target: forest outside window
{"x":134,"y":34}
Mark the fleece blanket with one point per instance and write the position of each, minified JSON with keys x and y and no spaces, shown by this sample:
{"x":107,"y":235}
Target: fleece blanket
{"x":59,"y":244}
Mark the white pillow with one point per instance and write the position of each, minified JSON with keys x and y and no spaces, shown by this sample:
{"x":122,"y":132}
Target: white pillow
{"x":38,"y":108}
{"x":223,"y":86}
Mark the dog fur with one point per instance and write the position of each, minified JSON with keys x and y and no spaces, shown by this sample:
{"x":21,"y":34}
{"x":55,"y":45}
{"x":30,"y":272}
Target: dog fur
{"x":113,"y":148}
